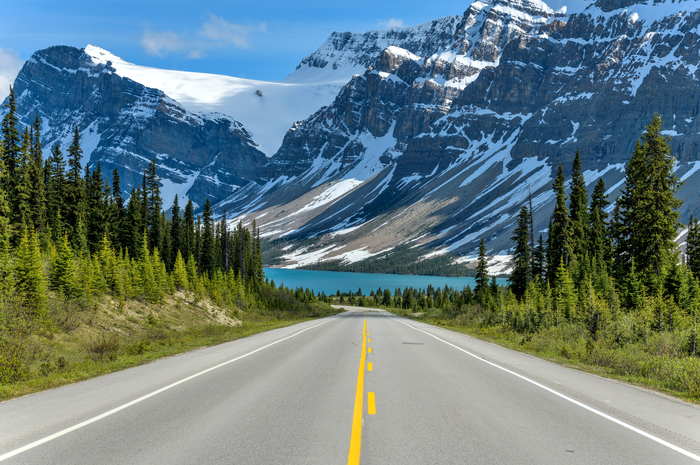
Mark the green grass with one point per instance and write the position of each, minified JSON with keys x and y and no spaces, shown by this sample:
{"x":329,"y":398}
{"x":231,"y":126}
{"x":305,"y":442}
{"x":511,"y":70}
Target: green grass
{"x":111,"y":337}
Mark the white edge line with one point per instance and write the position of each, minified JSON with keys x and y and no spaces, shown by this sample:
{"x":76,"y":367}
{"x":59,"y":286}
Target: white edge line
{"x":565,"y":397}
{"x":140,"y":399}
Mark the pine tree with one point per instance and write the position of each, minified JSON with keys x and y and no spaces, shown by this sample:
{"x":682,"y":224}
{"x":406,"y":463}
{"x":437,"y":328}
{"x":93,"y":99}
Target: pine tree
{"x":520,"y":276}
{"x":578,"y":210}
{"x":482,"y":271}
{"x":646,"y":214}
{"x":559,"y":249}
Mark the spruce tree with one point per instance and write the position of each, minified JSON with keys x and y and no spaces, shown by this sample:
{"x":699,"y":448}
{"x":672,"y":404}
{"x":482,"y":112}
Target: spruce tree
{"x":578,"y":210}
{"x":560,"y":247}
{"x":154,"y":206}
{"x":37,"y":181}
{"x":188,"y":230}
{"x":10,"y":147}
{"x":118,"y":213}
{"x":74,"y":187}
{"x":29,"y":281}
{"x":482,"y":271}
{"x":64,"y":277}
{"x":175,"y":229}
{"x":692,"y":248}
{"x":206,"y":254}
{"x":539,"y":260}
{"x":520,"y":276}
{"x":599,"y":241}
{"x":56,"y":193}
{"x":646,"y":214}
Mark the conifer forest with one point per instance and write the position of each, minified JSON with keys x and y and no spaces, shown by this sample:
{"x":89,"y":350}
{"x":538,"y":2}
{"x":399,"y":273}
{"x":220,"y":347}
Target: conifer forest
{"x":68,"y":239}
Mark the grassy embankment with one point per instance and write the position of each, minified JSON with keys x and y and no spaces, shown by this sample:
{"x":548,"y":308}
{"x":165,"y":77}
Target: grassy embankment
{"x":78,"y":340}
{"x":650,"y":359}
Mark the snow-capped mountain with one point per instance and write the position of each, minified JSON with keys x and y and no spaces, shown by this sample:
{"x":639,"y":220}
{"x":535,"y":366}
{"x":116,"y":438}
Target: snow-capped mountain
{"x":457,"y":121}
{"x":209,"y":133}
{"x":430,"y":136}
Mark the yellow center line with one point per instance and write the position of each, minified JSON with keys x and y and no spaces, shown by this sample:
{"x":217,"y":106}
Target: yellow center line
{"x":369,"y":366}
{"x":356,"y":436}
{"x":371,"y":407}
{"x":369,"y":351}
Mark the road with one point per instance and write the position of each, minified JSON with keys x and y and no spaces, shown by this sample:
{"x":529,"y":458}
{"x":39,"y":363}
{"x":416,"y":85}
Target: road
{"x":305,"y":395}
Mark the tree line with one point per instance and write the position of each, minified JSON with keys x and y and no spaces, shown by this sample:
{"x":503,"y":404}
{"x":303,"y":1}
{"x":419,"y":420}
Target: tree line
{"x":66,"y":228}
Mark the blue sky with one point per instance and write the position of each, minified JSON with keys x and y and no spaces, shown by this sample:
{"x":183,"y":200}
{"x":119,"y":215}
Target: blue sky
{"x":253,"y":39}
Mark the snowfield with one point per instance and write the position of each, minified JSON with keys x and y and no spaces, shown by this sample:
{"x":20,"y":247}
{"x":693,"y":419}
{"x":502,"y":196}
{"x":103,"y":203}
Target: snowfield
{"x":266,"y":117}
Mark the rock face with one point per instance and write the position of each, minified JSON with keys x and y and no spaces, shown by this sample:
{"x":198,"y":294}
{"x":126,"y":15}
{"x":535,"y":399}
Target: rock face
{"x":125,"y":125}
{"x":458,"y":121}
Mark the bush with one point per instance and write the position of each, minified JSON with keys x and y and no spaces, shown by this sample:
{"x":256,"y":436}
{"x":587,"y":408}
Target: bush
{"x":103,"y":347}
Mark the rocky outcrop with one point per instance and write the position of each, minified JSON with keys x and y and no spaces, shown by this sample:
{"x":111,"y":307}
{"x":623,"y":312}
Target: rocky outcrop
{"x":465,"y":128}
{"x":125,"y":125}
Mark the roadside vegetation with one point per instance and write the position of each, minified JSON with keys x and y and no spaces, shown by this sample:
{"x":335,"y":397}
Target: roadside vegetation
{"x":89,"y":285}
{"x":609,"y":293}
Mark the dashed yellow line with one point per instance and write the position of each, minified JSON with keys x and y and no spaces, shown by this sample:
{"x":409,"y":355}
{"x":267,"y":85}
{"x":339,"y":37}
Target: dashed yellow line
{"x":369,"y":351}
{"x":371,"y":407}
{"x":369,"y":366}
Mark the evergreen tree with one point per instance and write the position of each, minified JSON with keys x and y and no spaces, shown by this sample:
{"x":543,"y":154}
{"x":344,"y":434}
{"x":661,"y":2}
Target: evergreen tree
{"x":539,"y":260}
{"x":206,"y":254}
{"x":692,"y":250}
{"x":482,"y":271}
{"x":74,"y":188}
{"x":56,"y":193}
{"x":646,"y":214}
{"x":21,"y":214}
{"x":36,"y":181}
{"x":175,"y":229}
{"x":64,"y":277}
{"x":559,"y":249}
{"x":10,"y":148}
{"x":154,"y":206}
{"x":599,"y":241}
{"x":180,"y":273}
{"x":188,"y":230}
{"x":118,"y":213}
{"x":520,"y":276}
{"x":29,"y":282}
{"x":578,"y":210}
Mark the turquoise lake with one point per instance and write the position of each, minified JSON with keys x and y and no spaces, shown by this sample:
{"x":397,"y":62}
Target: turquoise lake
{"x":332,"y":281}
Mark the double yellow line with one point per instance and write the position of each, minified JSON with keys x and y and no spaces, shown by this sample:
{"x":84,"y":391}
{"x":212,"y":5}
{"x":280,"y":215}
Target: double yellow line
{"x":356,"y":437}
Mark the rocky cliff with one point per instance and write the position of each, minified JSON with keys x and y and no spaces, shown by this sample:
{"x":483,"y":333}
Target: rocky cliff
{"x":125,"y":125}
{"x":444,"y":137}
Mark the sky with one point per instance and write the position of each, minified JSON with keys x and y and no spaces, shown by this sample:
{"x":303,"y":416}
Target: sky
{"x":251,"y":39}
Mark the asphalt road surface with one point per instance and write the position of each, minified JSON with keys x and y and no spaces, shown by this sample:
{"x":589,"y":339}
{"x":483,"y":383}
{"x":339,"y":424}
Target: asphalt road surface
{"x":360,"y":385}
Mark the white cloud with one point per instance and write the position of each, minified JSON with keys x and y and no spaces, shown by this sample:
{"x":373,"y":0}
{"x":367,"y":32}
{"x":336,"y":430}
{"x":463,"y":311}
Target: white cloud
{"x":219,"y":30}
{"x":391,"y":22}
{"x":215,"y":32}
{"x":161,"y":43}
{"x":10,"y":64}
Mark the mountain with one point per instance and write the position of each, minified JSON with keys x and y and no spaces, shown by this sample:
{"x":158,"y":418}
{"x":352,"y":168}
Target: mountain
{"x":203,"y":129}
{"x":456,"y":122}
{"x":427,"y":138}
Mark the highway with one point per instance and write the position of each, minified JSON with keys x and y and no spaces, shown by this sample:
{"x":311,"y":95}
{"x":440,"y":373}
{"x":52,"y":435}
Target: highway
{"x":363,"y":386}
